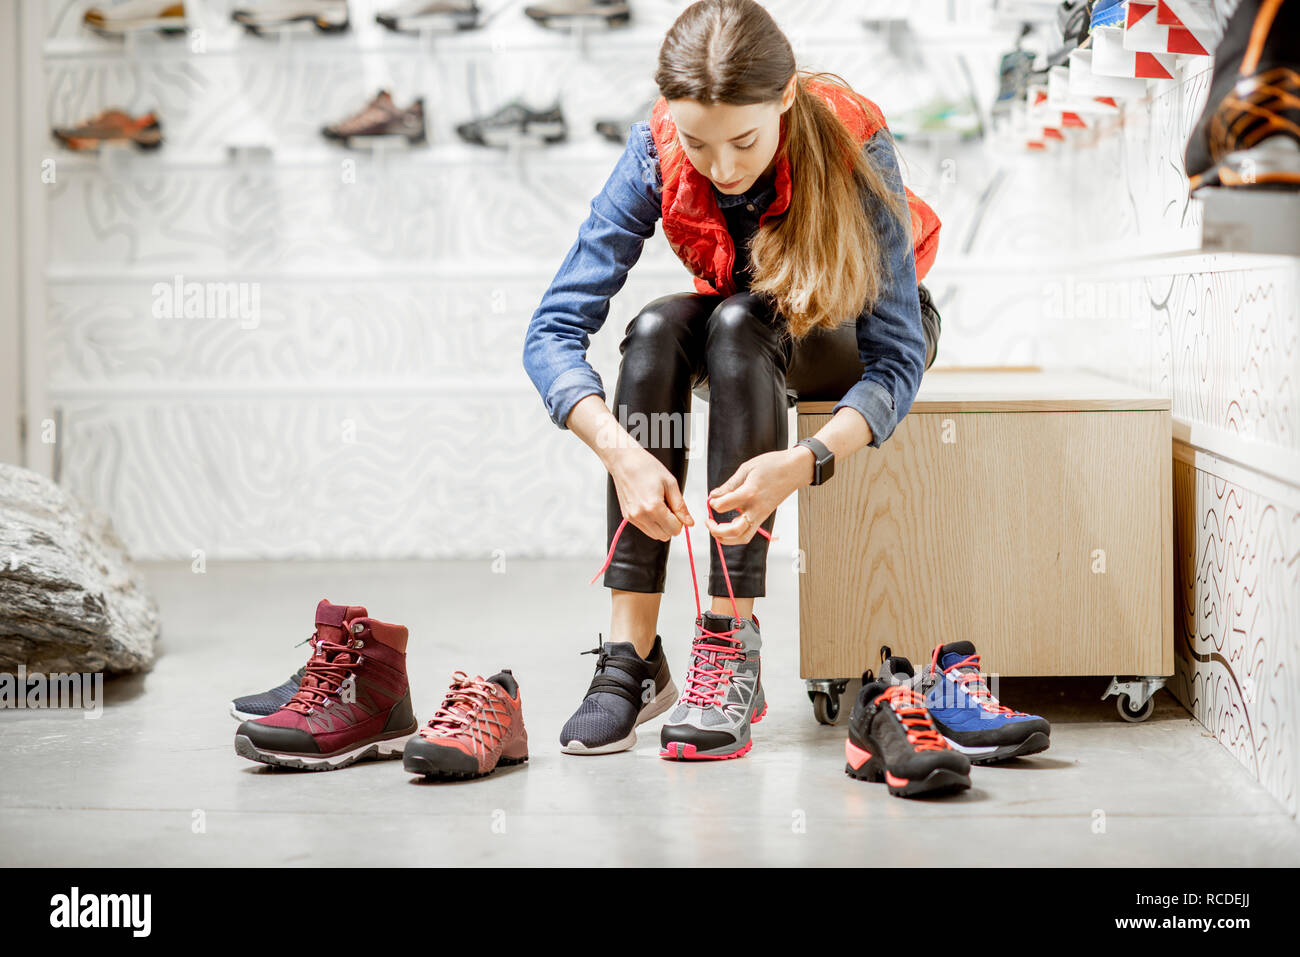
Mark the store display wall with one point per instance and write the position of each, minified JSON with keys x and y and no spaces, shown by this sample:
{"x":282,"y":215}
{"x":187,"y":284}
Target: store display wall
{"x":1220,"y":335}
{"x":377,"y":406}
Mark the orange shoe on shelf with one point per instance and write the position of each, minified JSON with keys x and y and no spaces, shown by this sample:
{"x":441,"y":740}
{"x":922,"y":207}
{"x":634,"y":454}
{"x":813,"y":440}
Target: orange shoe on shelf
{"x":114,"y":127}
{"x":479,"y":727}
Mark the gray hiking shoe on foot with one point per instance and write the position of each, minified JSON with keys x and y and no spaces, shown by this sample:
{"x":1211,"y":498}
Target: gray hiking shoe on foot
{"x":723,"y":693}
{"x":627,"y":690}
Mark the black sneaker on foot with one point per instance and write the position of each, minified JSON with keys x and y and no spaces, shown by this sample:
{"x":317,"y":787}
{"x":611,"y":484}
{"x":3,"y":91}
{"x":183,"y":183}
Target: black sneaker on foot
{"x":892,"y":739}
{"x":626,"y":690}
{"x":264,"y":703}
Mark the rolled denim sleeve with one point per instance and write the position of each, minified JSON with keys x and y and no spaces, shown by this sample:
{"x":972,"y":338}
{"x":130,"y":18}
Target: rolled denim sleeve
{"x":891,"y":342}
{"x":576,"y":304}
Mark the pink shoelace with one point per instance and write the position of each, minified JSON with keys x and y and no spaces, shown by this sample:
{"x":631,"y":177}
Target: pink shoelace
{"x":709,"y":674}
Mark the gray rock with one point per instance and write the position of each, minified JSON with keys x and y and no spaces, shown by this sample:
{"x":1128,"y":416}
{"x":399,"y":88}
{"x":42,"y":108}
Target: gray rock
{"x":70,"y":600}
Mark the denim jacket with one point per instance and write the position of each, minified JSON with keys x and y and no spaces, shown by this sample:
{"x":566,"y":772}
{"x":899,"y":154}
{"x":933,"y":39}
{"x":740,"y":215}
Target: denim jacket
{"x":891,"y":343}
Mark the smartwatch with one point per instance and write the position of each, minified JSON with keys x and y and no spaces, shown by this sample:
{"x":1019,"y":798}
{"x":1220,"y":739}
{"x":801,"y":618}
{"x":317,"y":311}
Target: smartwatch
{"x":823,"y":460}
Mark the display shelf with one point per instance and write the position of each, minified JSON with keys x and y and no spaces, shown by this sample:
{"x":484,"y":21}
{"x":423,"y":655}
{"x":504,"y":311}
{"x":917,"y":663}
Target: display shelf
{"x":233,"y":43}
{"x":128,"y":161}
{"x":469,"y":269}
{"x":1253,"y":221}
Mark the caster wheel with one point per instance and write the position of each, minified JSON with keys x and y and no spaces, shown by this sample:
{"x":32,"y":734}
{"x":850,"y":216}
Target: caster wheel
{"x":826,"y":707}
{"x":1126,"y":710}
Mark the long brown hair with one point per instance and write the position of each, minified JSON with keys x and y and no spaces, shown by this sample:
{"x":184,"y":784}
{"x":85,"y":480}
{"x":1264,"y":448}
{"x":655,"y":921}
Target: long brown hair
{"x":822,"y":261}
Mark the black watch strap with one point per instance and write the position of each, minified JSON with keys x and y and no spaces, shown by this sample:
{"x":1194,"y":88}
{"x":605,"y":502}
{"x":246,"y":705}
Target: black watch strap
{"x":823,"y":460}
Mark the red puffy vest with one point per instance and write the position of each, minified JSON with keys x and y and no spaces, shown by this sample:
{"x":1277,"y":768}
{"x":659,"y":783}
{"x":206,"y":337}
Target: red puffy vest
{"x":695,"y":227}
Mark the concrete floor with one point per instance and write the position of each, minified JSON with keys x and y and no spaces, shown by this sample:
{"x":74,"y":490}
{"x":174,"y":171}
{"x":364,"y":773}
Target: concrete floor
{"x":155,"y":780}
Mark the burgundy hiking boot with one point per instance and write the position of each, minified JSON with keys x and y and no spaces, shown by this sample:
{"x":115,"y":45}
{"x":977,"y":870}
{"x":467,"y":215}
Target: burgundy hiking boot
{"x":354,"y":701}
{"x":479,"y":727}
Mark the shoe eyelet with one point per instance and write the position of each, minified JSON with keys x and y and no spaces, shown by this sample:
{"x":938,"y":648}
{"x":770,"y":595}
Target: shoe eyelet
{"x":358,"y":643}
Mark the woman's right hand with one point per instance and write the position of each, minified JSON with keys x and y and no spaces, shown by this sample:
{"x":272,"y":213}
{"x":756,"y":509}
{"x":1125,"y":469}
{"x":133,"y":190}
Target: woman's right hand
{"x":648,"y":494}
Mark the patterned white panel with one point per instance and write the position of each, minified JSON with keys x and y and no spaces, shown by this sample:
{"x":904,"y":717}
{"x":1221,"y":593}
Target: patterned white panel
{"x":1237,"y":577}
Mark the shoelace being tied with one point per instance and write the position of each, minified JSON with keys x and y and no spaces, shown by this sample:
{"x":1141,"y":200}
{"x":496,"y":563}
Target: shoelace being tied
{"x":709,"y":674}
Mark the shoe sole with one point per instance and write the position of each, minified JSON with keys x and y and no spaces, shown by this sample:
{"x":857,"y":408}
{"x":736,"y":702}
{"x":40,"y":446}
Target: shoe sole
{"x":685,"y":751}
{"x":581,"y":21}
{"x":873,"y":772}
{"x":371,"y":140}
{"x":378,"y":749}
{"x":534,"y":134}
{"x":1033,"y":744}
{"x":661,"y":703}
{"x":419,"y":764}
{"x":438,"y":23}
{"x":245,"y":715}
{"x":297,"y":23}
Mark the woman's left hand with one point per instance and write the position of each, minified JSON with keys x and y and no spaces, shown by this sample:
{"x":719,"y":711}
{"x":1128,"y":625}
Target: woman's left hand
{"x":756,"y":489}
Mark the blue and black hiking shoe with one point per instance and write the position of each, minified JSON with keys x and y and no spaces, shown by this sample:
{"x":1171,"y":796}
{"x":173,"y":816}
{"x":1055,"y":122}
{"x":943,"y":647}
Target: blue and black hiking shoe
{"x":965,"y":711}
{"x":626,"y":690}
{"x":253,"y":706}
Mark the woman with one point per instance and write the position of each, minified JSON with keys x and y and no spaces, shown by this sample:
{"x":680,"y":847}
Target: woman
{"x":780,"y":192}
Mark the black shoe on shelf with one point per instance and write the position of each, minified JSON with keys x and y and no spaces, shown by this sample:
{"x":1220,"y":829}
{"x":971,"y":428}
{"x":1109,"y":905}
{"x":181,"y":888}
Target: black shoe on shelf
{"x":515,"y":123}
{"x":1249,"y":132}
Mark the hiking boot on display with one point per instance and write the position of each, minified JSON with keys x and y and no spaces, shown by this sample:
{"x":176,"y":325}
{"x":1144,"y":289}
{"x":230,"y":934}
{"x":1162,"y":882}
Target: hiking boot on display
{"x":354,"y":702}
{"x":580,"y":14}
{"x":964,"y":710}
{"x":134,"y":16}
{"x":478,"y":728}
{"x":112,"y":128}
{"x":275,"y":16}
{"x":722,"y":695}
{"x":442,"y":16}
{"x":515,"y":123}
{"x":378,"y":121}
{"x":892,"y":739}
{"x":1248,"y":135}
{"x":627,"y":690}
{"x":253,"y":706}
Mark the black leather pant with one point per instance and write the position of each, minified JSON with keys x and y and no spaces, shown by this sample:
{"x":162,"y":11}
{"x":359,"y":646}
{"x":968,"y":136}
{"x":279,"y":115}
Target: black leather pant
{"x":735,"y":353}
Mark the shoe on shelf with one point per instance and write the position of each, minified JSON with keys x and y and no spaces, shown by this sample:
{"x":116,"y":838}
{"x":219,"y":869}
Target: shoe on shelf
{"x":380,"y":121}
{"x":442,"y":16}
{"x":1248,"y":135}
{"x":272,"y":16}
{"x":723,"y":693}
{"x":1107,"y":13}
{"x":515,"y":123}
{"x":112,"y":128}
{"x":478,"y":728}
{"x":626,"y":690}
{"x":582,"y":14}
{"x":254,"y":706}
{"x":135,"y":16}
{"x":892,"y":739}
{"x":354,"y":702}
{"x":966,"y":713}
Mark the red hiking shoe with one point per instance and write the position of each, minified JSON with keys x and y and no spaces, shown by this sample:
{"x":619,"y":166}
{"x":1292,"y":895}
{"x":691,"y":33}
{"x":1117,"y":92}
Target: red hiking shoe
{"x":479,"y":727}
{"x":354,"y":701}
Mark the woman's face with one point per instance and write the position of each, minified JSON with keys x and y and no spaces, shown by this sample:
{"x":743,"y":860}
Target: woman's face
{"x":734,"y":146}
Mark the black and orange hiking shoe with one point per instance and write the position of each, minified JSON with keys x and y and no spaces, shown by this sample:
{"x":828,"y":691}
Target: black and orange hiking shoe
{"x":892,"y":739}
{"x":1248,"y":135}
